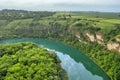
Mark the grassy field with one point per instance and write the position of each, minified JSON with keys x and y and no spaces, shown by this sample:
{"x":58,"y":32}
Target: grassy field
{"x":106,"y":22}
{"x":98,"y":14}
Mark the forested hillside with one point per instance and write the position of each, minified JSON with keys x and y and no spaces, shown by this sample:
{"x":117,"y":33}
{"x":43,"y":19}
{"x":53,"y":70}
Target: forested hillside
{"x":27,"y":61}
{"x":94,"y":33}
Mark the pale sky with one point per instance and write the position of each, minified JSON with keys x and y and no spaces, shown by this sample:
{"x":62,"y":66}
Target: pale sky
{"x":62,"y":5}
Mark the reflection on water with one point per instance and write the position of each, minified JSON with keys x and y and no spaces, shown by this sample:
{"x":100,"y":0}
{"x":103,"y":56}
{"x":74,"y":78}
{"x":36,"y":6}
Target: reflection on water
{"x":77,"y":65}
{"x":76,"y":71}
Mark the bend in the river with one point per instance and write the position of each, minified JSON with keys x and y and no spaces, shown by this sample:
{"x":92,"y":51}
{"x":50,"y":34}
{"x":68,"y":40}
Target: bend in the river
{"x":77,"y":65}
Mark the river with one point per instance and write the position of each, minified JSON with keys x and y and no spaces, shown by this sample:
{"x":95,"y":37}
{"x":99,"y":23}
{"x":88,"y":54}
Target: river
{"x":77,"y":65}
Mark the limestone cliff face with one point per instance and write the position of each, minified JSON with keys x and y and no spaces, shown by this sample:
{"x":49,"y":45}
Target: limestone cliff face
{"x":95,"y":38}
{"x":79,"y":39}
{"x":91,"y":37}
{"x":98,"y":37}
{"x":113,"y":46}
{"x":118,"y":39}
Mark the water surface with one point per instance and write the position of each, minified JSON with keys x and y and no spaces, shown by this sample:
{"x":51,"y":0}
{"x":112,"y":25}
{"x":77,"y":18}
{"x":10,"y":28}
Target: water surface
{"x":77,"y":65}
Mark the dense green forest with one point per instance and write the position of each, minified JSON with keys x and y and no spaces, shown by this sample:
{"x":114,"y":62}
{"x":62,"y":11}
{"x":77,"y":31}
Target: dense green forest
{"x":27,"y":61}
{"x":72,"y":28}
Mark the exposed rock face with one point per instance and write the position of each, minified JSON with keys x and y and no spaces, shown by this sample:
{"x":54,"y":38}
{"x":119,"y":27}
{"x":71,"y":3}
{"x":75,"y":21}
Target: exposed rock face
{"x":99,"y":36}
{"x":77,"y":36}
{"x":118,"y":39}
{"x":119,"y":50}
{"x":79,"y":39}
{"x":100,"y":42}
{"x":113,"y":46}
{"x":91,"y":37}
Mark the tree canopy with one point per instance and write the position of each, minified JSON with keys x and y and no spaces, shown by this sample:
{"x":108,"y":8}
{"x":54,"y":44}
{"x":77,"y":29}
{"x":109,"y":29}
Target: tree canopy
{"x":27,"y":61}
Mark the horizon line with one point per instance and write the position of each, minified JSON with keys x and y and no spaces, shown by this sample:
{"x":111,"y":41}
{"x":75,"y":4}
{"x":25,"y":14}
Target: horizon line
{"x":62,"y":10}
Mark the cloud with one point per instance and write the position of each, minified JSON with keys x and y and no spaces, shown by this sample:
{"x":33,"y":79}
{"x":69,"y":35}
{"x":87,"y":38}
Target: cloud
{"x":43,"y":2}
{"x":59,"y":4}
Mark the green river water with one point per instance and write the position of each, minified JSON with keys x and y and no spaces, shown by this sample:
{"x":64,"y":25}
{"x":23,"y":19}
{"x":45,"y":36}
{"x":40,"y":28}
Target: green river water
{"x":77,"y":65}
